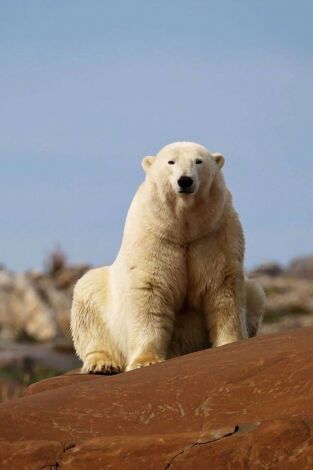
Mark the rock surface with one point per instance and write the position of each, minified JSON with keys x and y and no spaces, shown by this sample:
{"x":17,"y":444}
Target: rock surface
{"x":247,"y":405}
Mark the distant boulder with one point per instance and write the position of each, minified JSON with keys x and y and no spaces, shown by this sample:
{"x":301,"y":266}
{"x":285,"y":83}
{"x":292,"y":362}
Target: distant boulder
{"x":268,"y":269}
{"x":301,"y":267}
{"x":36,"y":305}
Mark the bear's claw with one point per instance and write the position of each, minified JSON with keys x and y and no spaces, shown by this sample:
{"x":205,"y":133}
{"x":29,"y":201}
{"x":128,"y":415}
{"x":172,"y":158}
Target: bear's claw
{"x":100,"y":363}
{"x":138,"y":364}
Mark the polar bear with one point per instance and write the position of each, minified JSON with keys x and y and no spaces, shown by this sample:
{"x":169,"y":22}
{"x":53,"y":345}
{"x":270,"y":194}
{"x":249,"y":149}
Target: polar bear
{"x":177,"y":284}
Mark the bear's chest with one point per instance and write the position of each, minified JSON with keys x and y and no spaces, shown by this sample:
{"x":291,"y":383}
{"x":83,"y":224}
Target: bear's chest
{"x":205,"y":263}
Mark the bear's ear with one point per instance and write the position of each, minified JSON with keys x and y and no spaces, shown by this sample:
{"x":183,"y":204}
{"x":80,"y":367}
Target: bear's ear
{"x":147,"y":162}
{"x":219,"y":159}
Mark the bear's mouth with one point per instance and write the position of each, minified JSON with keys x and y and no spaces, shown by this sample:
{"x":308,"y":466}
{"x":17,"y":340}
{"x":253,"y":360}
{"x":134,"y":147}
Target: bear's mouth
{"x":185,"y":191}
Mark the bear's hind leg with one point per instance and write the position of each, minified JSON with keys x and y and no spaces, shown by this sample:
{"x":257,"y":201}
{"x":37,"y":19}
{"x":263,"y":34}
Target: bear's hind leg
{"x":92,"y":339}
{"x":255,"y":303}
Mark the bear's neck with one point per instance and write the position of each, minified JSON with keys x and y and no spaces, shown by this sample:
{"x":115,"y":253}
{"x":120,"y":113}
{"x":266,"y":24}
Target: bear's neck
{"x":183,"y":219}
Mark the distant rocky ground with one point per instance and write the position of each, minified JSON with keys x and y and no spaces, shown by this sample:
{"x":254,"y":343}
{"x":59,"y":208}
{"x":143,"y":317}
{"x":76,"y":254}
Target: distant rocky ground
{"x":289,"y":293}
{"x":35,"y":313}
{"x":35,"y":339}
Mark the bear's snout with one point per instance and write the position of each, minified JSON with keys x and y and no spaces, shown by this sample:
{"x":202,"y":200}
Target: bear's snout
{"x":185,"y":183}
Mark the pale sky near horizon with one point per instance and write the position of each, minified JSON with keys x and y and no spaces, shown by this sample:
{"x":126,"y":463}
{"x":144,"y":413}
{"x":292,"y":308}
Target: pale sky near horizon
{"x":89,"y":88}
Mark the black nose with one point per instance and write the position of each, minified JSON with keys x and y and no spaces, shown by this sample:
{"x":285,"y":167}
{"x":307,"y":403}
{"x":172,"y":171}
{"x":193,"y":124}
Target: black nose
{"x":185,"y":182}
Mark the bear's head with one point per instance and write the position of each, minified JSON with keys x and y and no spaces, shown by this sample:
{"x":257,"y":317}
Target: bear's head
{"x":183,"y":169}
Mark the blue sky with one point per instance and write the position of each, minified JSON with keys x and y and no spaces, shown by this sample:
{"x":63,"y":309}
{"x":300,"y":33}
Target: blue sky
{"x":89,"y":88}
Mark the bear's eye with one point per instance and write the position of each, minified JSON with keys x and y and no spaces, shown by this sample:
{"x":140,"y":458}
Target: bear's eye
{"x":171,"y":162}
{"x":198,"y":161}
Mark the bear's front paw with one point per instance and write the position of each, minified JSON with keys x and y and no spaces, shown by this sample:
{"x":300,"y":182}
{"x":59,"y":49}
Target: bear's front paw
{"x":100,"y":363}
{"x":144,"y":361}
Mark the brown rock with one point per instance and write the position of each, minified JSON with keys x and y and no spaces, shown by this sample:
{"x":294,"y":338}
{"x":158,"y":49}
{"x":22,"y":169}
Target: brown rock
{"x":247,"y":405}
